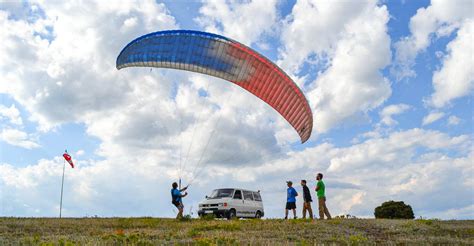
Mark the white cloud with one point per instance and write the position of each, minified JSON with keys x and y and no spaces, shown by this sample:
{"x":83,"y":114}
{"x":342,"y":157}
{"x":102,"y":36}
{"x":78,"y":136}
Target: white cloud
{"x":80,"y":152}
{"x":396,"y":148}
{"x":18,"y":138}
{"x":387,"y":113}
{"x":326,"y":22}
{"x":464,"y":212}
{"x":453,"y":120}
{"x":243,"y":21}
{"x":455,"y":78}
{"x":12,"y":114}
{"x":438,"y":19}
{"x":61,"y":64}
{"x":432,"y":117}
{"x":356,"y":199}
{"x":343,"y":34}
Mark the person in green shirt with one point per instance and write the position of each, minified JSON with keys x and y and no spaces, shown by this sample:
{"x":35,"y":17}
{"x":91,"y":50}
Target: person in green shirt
{"x":320,"y":191}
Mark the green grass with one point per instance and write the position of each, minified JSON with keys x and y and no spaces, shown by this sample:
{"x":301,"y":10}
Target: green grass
{"x":155,"y":231}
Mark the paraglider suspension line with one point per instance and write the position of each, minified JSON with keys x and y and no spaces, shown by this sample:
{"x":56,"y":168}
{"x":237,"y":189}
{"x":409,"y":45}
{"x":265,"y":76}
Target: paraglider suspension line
{"x":192,"y":137}
{"x":207,"y":144}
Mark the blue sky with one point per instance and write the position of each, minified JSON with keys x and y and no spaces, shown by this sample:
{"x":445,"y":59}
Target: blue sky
{"x":390,"y":84}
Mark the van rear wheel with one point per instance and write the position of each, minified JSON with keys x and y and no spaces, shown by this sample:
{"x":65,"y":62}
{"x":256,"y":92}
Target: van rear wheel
{"x":232,"y":214}
{"x":258,"y":215}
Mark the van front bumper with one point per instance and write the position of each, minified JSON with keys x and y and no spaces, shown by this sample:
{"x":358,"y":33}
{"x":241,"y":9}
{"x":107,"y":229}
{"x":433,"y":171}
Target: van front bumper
{"x":217,"y":212}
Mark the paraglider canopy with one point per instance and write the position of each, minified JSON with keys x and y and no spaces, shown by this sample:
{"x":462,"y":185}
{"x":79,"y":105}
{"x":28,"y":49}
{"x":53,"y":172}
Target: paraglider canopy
{"x":224,"y":58}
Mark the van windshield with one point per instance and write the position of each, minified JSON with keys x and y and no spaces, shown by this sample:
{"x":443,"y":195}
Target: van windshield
{"x":221,"y":193}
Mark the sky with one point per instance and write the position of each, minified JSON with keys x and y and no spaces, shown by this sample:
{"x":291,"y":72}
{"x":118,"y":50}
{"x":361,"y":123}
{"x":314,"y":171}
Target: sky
{"x":389,"y":83}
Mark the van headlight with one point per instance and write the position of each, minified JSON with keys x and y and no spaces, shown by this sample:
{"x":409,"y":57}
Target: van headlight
{"x":224,"y":204}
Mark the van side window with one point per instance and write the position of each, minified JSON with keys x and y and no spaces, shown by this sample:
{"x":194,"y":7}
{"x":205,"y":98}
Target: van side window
{"x":248,"y":195}
{"x":238,"y":194}
{"x":257,"y":196}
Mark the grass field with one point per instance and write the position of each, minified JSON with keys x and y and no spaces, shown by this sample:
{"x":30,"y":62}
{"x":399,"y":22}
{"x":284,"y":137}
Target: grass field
{"x":153,"y":231}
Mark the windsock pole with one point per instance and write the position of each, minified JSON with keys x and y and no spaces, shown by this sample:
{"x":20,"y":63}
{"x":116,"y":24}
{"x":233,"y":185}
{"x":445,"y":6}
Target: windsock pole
{"x":62,"y":186}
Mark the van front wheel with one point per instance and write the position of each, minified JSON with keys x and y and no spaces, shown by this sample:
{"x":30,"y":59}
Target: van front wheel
{"x":258,"y":215}
{"x":231,"y":214}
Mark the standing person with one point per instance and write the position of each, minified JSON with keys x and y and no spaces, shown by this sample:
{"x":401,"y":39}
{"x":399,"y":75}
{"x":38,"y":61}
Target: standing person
{"x":177,"y":200}
{"x":291,"y":195}
{"x":320,"y":190}
{"x":306,"y":200}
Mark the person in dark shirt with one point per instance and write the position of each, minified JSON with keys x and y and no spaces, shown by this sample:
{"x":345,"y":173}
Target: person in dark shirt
{"x":306,"y":200}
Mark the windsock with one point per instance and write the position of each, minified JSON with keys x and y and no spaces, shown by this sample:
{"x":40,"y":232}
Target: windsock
{"x":68,"y":158}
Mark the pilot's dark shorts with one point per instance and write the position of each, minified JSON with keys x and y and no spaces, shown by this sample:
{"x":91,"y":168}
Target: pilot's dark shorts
{"x":291,"y":205}
{"x":178,"y":205}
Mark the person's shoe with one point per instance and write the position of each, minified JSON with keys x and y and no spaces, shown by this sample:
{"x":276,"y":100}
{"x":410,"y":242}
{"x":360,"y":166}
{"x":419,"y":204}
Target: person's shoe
{"x":296,"y":217}
{"x":286,"y":217}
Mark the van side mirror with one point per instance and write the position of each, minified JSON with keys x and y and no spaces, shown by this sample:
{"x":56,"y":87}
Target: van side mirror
{"x":206,"y":197}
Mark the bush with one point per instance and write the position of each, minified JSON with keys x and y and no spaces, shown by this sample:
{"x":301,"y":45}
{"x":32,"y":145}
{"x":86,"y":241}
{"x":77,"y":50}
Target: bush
{"x":185,"y":218}
{"x":394,"y":210}
{"x":208,"y":217}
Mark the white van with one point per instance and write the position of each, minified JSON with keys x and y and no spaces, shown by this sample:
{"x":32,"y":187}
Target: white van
{"x":232,"y":202}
